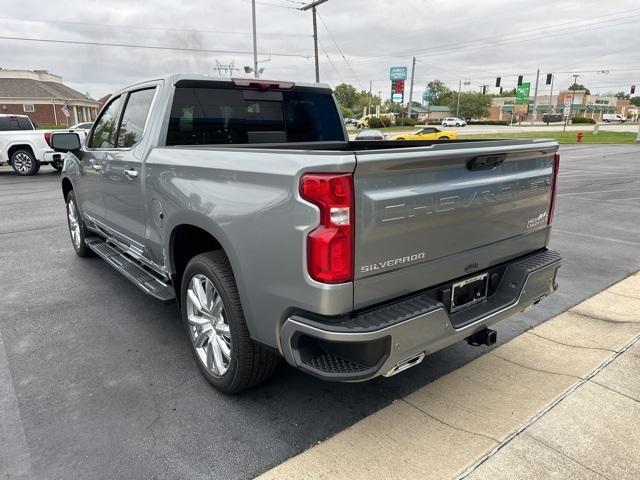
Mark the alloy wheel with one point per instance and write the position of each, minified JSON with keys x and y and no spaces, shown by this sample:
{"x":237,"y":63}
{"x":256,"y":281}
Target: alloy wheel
{"x":22,"y":162}
{"x":74,"y":224}
{"x":208,"y":325}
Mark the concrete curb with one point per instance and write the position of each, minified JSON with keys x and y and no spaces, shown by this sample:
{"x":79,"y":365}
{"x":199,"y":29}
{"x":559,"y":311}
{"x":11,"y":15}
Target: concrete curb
{"x":453,"y":425}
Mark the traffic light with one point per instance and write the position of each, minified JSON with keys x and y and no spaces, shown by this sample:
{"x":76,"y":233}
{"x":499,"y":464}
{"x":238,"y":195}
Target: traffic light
{"x":519,"y":80}
{"x":633,"y":89}
{"x":497,"y":82}
{"x":549,"y":78}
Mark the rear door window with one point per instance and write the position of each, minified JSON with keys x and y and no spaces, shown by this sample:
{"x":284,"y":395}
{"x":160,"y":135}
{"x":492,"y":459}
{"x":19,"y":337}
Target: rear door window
{"x":134,"y":117}
{"x":213,"y":116}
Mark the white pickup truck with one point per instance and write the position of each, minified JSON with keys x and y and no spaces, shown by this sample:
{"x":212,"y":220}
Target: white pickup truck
{"x":25,"y":148}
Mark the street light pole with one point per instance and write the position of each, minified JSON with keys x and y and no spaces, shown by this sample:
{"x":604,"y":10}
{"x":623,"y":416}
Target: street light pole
{"x":413,"y":69}
{"x":312,"y":6}
{"x":573,"y":97}
{"x":256,"y":73}
{"x":535,"y":99}
{"x":458,"y":106}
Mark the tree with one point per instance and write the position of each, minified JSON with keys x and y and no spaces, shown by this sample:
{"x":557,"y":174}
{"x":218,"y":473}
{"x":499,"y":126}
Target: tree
{"x":578,"y":86}
{"x":472,"y":105}
{"x":439,"y":92}
{"x":635,"y":101}
{"x":346,"y":95}
{"x":622,"y":96}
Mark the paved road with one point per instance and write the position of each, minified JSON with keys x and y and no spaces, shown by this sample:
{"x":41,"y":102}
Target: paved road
{"x":96,"y":380}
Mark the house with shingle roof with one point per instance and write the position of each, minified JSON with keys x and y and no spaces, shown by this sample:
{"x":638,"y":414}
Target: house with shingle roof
{"x":42,"y":95}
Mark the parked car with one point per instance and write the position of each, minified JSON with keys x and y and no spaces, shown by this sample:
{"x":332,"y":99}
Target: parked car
{"x":370,"y":135}
{"x":454,"y":122}
{"x":86,"y":126}
{"x":613,"y":117}
{"x":427,"y":133}
{"x":244,"y":201}
{"x":551,"y":118}
{"x":25,"y":148}
{"x":351,"y":122}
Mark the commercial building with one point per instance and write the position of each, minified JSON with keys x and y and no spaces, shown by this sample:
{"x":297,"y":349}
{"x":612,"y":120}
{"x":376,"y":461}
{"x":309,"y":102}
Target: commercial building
{"x":584,"y":105}
{"x":42,"y":96}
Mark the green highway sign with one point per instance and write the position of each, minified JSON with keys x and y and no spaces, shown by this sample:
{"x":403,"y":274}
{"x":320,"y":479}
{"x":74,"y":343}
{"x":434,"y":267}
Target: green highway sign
{"x":398,"y":73}
{"x":522,"y":92}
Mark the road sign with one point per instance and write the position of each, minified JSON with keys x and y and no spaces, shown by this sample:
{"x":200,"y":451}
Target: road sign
{"x":567,"y":102}
{"x":522,"y":92}
{"x":566,"y":111}
{"x":397,"y":98}
{"x":398,"y":73}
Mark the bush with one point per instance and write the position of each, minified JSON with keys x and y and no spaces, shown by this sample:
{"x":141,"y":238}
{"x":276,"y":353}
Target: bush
{"x":488,"y":122}
{"x":379,"y":122}
{"x":50,"y":126}
{"x":582,"y":120}
{"x":407,"y":122}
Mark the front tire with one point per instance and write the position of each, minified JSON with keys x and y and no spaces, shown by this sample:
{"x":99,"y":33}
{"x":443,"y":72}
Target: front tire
{"x":77,"y":229}
{"x":24,"y":163}
{"x":215,"y":325}
{"x":444,"y":138}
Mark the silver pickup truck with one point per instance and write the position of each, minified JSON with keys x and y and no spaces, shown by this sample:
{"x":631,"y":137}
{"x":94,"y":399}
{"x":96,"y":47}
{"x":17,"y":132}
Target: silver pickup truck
{"x":244,"y":201}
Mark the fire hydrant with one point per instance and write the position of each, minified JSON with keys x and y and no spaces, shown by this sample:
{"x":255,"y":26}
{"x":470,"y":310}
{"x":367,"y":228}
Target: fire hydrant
{"x":579,"y":137}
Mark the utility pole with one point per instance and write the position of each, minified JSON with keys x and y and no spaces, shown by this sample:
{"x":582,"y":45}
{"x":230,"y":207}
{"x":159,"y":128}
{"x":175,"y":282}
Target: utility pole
{"x":256,"y":73}
{"x":551,"y":93}
{"x":413,"y":70}
{"x":459,"y":90}
{"x":369,"y":107}
{"x":312,"y":6}
{"x":535,"y":99}
{"x":573,"y":97}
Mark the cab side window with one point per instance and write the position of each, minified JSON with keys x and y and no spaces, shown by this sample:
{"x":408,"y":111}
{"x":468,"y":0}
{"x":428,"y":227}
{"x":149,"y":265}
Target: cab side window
{"x":104,"y":133}
{"x":134,"y":117}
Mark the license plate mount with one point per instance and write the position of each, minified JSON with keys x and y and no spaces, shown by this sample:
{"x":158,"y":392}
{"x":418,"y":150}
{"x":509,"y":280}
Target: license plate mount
{"x":469,"y":292}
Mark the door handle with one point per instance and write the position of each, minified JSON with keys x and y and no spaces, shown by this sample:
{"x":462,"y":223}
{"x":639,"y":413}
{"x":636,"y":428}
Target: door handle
{"x":130,"y":174}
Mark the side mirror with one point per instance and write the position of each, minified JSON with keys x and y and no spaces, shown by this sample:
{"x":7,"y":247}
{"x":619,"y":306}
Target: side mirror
{"x":65,"y":142}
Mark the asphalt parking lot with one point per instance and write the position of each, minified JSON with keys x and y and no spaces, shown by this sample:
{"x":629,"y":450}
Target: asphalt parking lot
{"x":96,"y":379}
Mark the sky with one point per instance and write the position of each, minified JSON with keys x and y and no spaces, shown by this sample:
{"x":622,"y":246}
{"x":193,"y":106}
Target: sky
{"x":469,"y":41}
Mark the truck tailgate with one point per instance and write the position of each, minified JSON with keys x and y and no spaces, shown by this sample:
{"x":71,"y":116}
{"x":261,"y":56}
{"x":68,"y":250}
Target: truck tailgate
{"x":428,"y":215}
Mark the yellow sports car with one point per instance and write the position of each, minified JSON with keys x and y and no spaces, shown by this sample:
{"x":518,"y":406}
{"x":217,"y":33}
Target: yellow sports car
{"x":427,"y":133}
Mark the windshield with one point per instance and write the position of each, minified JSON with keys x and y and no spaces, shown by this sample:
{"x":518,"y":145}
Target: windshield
{"x":213,"y":116}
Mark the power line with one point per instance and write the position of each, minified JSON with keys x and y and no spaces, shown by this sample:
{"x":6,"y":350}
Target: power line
{"x":149,"y":47}
{"x":340,"y":50}
{"x":158,"y":28}
{"x":269,"y":4}
{"x":531,"y":34}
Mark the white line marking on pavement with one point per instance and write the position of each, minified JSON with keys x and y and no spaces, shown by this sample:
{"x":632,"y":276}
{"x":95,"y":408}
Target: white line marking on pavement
{"x":599,"y":191}
{"x":596,"y":237}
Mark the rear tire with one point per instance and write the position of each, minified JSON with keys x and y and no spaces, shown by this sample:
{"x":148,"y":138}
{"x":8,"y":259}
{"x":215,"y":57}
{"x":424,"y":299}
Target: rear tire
{"x":77,"y":230}
{"x":24,"y":163}
{"x":216,"y":328}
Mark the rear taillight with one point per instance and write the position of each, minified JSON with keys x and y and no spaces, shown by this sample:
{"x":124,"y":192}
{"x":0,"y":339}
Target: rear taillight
{"x":554,"y":186}
{"x":330,"y":245}
{"x":47,"y":138}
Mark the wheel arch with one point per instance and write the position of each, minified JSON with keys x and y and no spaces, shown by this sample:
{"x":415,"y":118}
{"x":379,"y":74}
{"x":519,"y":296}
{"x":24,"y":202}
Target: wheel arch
{"x":67,"y":186}
{"x":191,"y":234}
{"x":20,"y":146}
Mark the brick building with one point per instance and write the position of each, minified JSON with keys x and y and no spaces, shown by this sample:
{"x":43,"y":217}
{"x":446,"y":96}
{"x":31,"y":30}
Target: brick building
{"x":590,"y":106}
{"x":41,"y":95}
